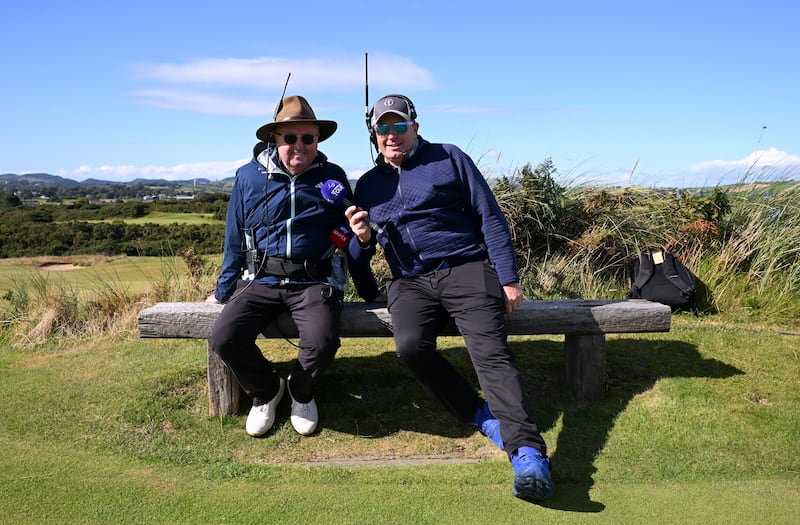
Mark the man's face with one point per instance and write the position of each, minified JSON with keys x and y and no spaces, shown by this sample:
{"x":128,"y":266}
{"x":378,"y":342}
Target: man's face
{"x":394,"y":145}
{"x":293,"y":151}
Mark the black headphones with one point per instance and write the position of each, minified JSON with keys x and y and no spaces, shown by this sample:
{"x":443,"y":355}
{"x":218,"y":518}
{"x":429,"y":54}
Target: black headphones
{"x":412,"y":113}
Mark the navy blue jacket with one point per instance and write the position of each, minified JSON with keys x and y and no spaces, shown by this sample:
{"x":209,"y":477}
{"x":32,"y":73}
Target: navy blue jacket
{"x":437,"y":206}
{"x":287,"y":216}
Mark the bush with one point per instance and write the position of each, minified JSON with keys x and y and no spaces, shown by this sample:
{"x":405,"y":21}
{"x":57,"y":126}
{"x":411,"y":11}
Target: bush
{"x":576,"y":241}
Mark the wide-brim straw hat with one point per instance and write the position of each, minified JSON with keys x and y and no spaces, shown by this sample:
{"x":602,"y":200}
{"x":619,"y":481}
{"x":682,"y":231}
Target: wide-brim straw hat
{"x":296,"y":109}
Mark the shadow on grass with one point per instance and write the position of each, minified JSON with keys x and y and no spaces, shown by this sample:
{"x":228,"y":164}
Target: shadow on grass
{"x":375,"y":397}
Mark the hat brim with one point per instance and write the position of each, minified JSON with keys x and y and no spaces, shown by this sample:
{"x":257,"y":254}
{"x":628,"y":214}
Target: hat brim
{"x":326,"y":129}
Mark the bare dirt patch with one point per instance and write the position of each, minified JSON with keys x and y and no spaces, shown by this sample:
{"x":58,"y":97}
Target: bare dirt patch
{"x":59,"y":263}
{"x":58,"y":267}
{"x":378,"y":461}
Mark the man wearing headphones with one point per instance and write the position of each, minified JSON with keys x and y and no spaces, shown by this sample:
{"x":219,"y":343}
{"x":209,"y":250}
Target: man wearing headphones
{"x":451,"y":255}
{"x":279,"y":229}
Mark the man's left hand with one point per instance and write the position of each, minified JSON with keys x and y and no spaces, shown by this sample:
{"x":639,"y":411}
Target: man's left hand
{"x":513,"y":296}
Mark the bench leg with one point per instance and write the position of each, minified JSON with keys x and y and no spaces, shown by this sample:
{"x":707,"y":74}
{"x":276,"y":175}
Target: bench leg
{"x":224,"y":391}
{"x":585,"y":358}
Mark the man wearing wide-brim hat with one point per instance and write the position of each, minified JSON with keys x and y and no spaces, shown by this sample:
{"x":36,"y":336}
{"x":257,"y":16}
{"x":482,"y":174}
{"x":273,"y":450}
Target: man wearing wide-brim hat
{"x":278,"y":231}
{"x":296,"y":109}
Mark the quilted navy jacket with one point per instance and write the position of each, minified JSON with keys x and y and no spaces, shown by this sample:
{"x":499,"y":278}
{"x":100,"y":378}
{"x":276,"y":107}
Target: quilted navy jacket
{"x":437,"y":206}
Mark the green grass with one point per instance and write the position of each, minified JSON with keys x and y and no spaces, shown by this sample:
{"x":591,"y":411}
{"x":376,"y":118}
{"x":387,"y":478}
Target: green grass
{"x":163,"y":217}
{"x":160,"y":217}
{"x":131,"y":274}
{"x":700,"y":425}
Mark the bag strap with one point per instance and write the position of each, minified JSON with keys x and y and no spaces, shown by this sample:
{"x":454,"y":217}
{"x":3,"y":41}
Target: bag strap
{"x":671,"y":273}
{"x":646,"y":269}
{"x":687,"y":289}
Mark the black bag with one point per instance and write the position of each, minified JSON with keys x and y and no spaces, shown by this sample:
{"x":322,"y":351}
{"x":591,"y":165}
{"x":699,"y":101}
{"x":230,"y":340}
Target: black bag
{"x":659,"y":277}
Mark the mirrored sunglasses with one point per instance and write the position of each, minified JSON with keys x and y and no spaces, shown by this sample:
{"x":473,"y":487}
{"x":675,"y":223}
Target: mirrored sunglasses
{"x":399,"y":128}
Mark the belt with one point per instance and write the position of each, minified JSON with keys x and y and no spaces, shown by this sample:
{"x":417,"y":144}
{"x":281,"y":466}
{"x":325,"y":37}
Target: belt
{"x":280,"y":267}
{"x":452,"y":262}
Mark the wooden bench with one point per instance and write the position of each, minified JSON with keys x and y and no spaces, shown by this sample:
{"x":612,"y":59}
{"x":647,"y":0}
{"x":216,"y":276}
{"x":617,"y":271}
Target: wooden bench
{"x":584,"y":324}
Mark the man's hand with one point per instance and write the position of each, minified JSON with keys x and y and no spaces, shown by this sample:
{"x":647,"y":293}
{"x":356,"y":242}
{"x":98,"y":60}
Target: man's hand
{"x":212,"y":299}
{"x":513,"y":296}
{"x":359,"y":223}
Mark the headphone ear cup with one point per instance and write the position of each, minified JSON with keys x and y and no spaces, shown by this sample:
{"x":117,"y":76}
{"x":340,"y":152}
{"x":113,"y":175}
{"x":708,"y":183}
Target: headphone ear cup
{"x":412,"y":109}
{"x":370,"y":129}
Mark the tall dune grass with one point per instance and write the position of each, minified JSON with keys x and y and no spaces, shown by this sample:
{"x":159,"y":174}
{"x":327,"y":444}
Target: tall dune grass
{"x":742,"y":241}
{"x":39,"y":308}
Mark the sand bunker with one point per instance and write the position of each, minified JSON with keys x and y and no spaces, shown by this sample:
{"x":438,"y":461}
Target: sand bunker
{"x":58,"y":267}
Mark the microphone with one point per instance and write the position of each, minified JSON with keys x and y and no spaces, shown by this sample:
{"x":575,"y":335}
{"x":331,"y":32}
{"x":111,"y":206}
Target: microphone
{"x":340,"y":237}
{"x":336,"y":193}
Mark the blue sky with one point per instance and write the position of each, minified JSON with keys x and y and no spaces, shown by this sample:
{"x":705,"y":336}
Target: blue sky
{"x":679,"y":93}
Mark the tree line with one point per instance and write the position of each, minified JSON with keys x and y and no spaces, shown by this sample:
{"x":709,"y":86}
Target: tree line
{"x":87,"y":227}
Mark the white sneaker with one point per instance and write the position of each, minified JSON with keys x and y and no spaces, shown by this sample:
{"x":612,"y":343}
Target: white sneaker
{"x":304,"y":416}
{"x":262,"y":417}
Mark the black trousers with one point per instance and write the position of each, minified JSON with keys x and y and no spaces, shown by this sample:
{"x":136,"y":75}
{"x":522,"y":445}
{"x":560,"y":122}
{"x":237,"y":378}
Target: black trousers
{"x":315,"y":310}
{"x":472,"y":295}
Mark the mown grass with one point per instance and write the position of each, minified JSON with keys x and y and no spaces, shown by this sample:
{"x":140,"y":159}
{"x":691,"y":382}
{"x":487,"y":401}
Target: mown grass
{"x":161,"y":217}
{"x":133,"y":275}
{"x":699,"y":425}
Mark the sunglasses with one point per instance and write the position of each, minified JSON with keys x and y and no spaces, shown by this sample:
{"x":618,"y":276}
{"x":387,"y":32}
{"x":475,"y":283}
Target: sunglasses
{"x":291,"y":138}
{"x":399,"y":128}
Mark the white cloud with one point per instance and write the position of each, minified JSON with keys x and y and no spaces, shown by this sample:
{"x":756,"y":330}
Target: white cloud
{"x":514,"y":113}
{"x":770,"y":158}
{"x":307,"y":74}
{"x":202,"y":170}
{"x":200,"y":102}
{"x":236,"y":86}
{"x":766,"y":165}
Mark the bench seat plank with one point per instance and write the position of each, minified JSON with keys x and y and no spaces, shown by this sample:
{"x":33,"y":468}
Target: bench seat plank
{"x":194,"y":320}
{"x":583,"y":323}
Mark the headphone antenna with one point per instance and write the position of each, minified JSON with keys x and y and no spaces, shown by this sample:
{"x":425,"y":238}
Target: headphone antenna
{"x":366,"y":88}
{"x":367,"y":116}
{"x":279,"y":107}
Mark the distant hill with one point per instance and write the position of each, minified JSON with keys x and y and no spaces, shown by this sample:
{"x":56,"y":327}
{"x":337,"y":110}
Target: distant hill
{"x":161,"y":182}
{"x":45,"y":179}
{"x":164,"y":182}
